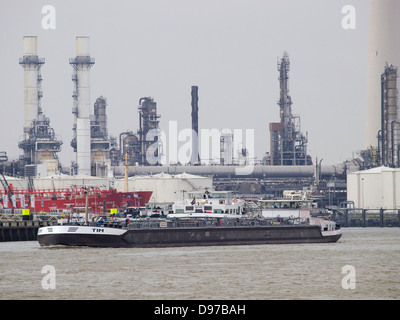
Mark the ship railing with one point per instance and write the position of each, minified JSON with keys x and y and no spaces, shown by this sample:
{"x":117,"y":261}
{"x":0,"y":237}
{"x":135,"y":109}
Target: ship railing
{"x":17,"y":215}
{"x":10,"y":216}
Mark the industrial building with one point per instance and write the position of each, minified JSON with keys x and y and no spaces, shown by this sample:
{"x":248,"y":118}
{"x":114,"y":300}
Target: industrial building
{"x":148,"y":130}
{"x":97,"y":152}
{"x":101,"y":160}
{"x":136,"y":146}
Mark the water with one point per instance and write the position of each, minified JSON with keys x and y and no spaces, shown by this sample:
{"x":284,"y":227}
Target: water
{"x":300,"y":271}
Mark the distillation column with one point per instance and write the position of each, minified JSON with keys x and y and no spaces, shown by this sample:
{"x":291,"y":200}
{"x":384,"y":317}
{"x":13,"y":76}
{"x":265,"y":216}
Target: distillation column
{"x":82,"y":64}
{"x":288,"y":146}
{"x":390,"y":135}
{"x":383,"y":47}
{"x":148,"y":126}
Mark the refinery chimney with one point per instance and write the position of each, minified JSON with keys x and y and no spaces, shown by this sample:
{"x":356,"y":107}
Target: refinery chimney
{"x":82,"y":64}
{"x":39,"y":143}
{"x":383,"y":47}
{"x":31,"y":64}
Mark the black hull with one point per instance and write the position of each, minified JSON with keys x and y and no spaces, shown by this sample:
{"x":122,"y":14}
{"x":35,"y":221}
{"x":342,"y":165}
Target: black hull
{"x":180,"y":237}
{"x":92,"y":240}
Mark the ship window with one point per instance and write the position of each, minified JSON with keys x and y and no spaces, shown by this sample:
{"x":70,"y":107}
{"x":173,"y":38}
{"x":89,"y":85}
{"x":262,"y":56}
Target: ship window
{"x":189,"y":208}
{"x":217,"y":211}
{"x":179,"y":211}
{"x":199,"y":211}
{"x":295,"y":205}
{"x":208,"y":208}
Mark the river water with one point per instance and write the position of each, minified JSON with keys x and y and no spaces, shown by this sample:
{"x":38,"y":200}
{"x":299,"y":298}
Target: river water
{"x":300,"y":271}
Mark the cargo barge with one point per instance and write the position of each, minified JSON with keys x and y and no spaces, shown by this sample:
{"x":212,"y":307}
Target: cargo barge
{"x":209,"y":219}
{"x":189,"y":232}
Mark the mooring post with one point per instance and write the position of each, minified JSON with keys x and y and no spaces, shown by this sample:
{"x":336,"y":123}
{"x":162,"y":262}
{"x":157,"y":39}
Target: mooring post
{"x":398,"y":217}
{"x":363,"y":214}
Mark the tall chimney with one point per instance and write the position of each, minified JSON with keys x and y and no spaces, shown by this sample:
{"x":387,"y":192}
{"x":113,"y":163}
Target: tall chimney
{"x":31,"y":64}
{"x":384,"y":47}
{"x":82,"y":64}
{"x":195,"y":158}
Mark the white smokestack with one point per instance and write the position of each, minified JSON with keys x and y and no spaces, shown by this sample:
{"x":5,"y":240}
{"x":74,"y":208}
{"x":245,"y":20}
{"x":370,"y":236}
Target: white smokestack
{"x":384,"y":46}
{"x":31,"y":64}
{"x":83,"y":63}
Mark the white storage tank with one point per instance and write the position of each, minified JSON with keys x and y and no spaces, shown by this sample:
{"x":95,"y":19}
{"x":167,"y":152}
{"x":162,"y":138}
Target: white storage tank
{"x":374,"y":188}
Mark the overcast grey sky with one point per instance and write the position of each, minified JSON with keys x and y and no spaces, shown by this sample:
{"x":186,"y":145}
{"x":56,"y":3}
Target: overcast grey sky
{"x":229,"y":48}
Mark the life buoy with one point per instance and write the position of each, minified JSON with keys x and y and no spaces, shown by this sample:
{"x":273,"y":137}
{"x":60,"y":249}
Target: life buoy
{"x":235,"y":200}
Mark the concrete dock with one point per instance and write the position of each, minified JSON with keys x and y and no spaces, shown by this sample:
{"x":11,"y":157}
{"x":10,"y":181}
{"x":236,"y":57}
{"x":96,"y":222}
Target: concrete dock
{"x":21,"y":230}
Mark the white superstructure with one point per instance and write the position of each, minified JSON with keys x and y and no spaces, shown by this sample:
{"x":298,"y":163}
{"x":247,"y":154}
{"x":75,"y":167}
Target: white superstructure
{"x":205,"y":204}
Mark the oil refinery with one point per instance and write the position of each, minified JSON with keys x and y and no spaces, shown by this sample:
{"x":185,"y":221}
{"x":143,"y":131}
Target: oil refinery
{"x":286,"y":166}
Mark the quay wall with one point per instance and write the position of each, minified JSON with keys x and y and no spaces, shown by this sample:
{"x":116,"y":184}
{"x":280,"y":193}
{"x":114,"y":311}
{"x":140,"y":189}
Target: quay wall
{"x":21,"y":230}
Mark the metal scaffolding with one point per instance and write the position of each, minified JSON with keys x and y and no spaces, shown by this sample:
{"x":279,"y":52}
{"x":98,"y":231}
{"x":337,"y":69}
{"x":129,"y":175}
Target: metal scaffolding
{"x":148,"y":121}
{"x":288,"y":145}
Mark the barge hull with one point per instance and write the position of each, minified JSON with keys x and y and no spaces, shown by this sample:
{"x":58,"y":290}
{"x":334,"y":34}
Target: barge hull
{"x":226,"y":236}
{"x":181,"y":237}
{"x":110,"y":241}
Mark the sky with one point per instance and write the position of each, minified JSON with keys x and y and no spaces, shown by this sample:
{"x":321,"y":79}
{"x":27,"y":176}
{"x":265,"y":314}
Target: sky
{"x":228,"y":48}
